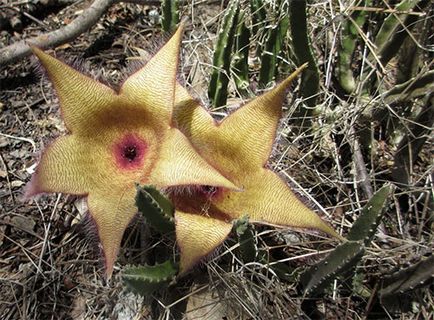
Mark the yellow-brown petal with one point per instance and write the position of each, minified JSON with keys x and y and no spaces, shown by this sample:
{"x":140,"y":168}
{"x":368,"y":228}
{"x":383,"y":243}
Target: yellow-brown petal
{"x":81,"y":98}
{"x":197,"y":236}
{"x":154,"y":84}
{"x":243,"y":140}
{"x":63,"y":168}
{"x":267,"y":199}
{"x":251,"y":129}
{"x":112,"y":210}
{"x":189,"y":116}
{"x":179,"y":164}
{"x":239,"y":147}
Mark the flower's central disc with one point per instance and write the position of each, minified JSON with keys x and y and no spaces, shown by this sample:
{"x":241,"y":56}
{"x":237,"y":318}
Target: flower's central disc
{"x":130,"y":152}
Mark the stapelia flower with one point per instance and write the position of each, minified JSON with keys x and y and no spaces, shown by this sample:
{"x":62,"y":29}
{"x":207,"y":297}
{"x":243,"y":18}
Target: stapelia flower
{"x":239,"y":147}
{"x":118,"y":138}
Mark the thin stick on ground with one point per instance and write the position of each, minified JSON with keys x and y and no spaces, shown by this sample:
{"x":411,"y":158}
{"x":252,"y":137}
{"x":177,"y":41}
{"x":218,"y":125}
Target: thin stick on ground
{"x":81,"y":24}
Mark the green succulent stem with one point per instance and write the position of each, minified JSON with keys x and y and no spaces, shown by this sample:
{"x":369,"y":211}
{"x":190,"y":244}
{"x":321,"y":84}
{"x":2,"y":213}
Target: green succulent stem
{"x":246,"y":239}
{"x":259,"y":15}
{"x":343,"y":259}
{"x":366,"y":224}
{"x":170,"y":17}
{"x":408,"y":279}
{"x":241,"y":59}
{"x":390,"y":23}
{"x":303,"y":52}
{"x":401,"y":29}
{"x":146,"y":279}
{"x":157,"y":210}
{"x":274,"y":44}
{"x":218,"y":87}
{"x":348,"y":41}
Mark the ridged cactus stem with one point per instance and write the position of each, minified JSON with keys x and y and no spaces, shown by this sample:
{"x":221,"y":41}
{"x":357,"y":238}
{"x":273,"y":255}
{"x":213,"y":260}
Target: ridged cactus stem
{"x":348,"y":42}
{"x":273,"y":48}
{"x":259,"y":15}
{"x":218,"y":87}
{"x":392,"y":22}
{"x":303,"y":51}
{"x":241,"y":60}
{"x":170,"y":17}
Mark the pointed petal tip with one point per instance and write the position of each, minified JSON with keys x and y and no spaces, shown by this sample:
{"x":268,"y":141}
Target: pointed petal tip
{"x":109,"y":262}
{"x":225,"y":183}
{"x":35,"y":49}
{"x":181,"y":27}
{"x":294,"y":74}
{"x":39,"y":53}
{"x":108,"y":272}
{"x":198,"y":236}
{"x":32,"y":188}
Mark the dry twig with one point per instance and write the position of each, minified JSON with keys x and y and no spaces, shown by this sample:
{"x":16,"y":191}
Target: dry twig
{"x":85,"y":21}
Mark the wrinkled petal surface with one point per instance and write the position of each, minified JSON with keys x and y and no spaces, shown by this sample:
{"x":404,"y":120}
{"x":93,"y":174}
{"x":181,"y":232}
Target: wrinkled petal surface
{"x":154,"y":84}
{"x":82,"y":99}
{"x":64,"y":158}
{"x":112,"y":216}
{"x":198,"y":236}
{"x":185,"y":167}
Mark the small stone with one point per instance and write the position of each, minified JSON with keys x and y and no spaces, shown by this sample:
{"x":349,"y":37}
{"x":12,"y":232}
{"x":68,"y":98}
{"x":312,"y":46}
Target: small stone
{"x":17,"y":183}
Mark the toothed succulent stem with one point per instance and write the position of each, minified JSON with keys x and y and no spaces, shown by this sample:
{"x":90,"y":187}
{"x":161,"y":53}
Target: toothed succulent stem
{"x":366,"y":224}
{"x":392,"y":22}
{"x":408,"y":279}
{"x":218,"y":87}
{"x":315,"y":279}
{"x":146,"y":279}
{"x":412,"y":142}
{"x":246,"y":239}
{"x":259,"y":15}
{"x":273,"y":48}
{"x":340,"y":261}
{"x":156,"y":209}
{"x":403,"y":25}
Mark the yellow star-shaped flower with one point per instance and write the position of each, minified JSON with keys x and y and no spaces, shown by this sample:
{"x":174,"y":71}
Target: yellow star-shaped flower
{"x":119,"y":138}
{"x":239,"y":147}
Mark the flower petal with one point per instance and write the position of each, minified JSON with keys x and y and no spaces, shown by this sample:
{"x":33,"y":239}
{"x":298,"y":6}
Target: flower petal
{"x":112,"y":210}
{"x":59,"y":169}
{"x":243,"y":140}
{"x":239,"y":147}
{"x":251,"y":129}
{"x":267,"y":199}
{"x":80,"y":96}
{"x":197,"y":236}
{"x":154,"y":84}
{"x":180,"y":164}
{"x":189,"y":116}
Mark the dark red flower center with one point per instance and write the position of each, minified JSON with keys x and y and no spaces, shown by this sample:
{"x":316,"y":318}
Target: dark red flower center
{"x":130,"y":152}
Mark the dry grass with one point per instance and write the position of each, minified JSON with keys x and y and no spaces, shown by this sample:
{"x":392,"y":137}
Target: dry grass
{"x":49,"y":266}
